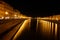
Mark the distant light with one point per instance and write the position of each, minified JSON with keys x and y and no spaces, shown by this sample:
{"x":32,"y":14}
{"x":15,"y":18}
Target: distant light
{"x":7,"y":17}
{"x":15,"y":15}
{"x":38,"y":18}
{"x":2,"y":17}
{"x":6,"y":13}
{"x":57,"y":19}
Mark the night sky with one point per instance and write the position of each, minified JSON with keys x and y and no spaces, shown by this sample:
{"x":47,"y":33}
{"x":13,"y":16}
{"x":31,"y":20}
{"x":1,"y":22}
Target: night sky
{"x":36,"y":8}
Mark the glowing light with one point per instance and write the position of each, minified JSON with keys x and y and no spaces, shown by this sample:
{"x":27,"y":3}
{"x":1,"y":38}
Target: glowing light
{"x":55,"y":29}
{"x":37,"y":24}
{"x":52,"y":27}
{"x":57,"y":19}
{"x":45,"y":27}
{"x":7,"y":17}
{"x":22,"y":28}
{"x":2,"y":18}
{"x":6,"y":13}
{"x":15,"y":15}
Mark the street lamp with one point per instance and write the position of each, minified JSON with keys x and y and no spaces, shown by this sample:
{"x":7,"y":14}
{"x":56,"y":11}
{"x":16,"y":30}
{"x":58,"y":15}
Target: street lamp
{"x":2,"y":17}
{"x":15,"y":15}
{"x":6,"y":13}
{"x":56,"y":18}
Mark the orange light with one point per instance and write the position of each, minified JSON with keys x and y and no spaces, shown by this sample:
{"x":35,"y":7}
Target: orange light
{"x":6,"y":13}
{"x":15,"y":15}
{"x":55,"y":29}
{"x":45,"y":27}
{"x":2,"y":17}
{"x":22,"y":28}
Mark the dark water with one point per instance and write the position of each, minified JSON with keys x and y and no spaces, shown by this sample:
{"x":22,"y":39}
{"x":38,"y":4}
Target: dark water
{"x":33,"y":35}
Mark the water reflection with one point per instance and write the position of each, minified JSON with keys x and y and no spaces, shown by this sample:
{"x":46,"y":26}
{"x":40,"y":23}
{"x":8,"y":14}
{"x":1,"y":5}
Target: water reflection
{"x":48,"y":28}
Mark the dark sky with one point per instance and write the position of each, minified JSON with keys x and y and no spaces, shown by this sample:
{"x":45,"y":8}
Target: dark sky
{"x":36,"y":8}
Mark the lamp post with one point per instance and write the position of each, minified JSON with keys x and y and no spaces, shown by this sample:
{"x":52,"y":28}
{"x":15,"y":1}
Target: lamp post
{"x":6,"y":14}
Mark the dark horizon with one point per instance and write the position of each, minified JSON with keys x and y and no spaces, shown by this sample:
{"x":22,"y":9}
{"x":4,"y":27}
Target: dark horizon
{"x":35,"y":8}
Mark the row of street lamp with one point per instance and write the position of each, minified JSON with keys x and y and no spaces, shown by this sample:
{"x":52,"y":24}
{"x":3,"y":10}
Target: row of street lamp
{"x":14,"y":16}
{"x":7,"y":16}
